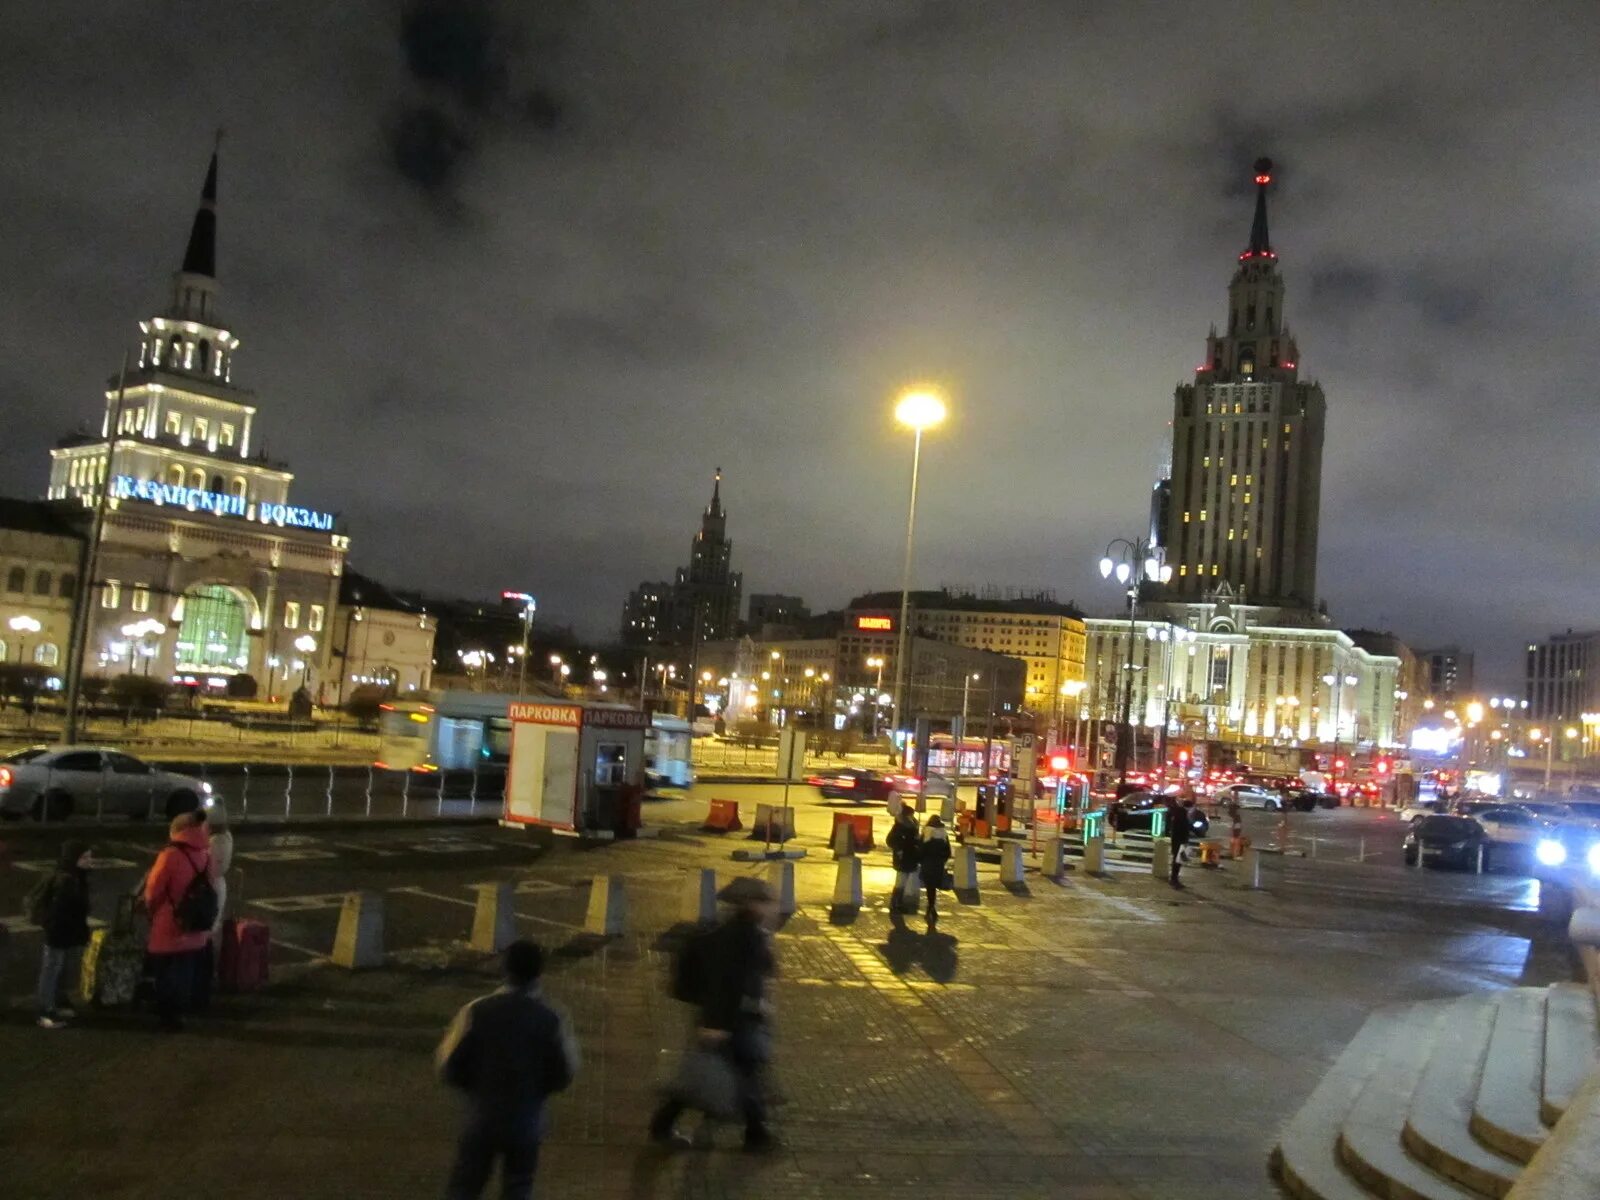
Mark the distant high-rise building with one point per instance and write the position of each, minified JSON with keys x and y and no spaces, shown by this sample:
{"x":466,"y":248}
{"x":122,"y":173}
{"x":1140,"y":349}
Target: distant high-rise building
{"x":1449,"y":670}
{"x":1563,"y":680}
{"x":703,"y":600}
{"x":1247,"y":448}
{"x":773,"y":608}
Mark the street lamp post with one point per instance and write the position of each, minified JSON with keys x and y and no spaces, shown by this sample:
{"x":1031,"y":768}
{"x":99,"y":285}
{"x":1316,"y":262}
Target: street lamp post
{"x":137,"y":631}
{"x":1134,"y":562}
{"x":1338,"y":683}
{"x":918,"y":409}
{"x":876,"y":660}
{"x":529,"y":606}
{"x":307,"y":645}
{"x":1549,"y":738}
{"x":23,"y":625}
{"x":961,"y":735}
{"x":1172,"y":637}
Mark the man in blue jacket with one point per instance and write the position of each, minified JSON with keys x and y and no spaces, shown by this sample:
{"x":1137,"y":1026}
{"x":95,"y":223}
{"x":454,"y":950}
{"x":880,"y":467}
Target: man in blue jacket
{"x":508,"y":1051}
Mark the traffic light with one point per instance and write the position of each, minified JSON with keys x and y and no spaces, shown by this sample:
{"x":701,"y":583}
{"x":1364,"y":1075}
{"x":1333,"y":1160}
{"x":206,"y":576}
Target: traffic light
{"x":1382,"y":766}
{"x":1059,"y":762}
{"x":1338,"y":764}
{"x":1183,"y":757}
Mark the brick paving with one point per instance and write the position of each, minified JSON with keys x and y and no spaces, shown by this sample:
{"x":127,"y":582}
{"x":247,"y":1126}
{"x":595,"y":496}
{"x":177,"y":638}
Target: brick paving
{"x":1101,"y":1038}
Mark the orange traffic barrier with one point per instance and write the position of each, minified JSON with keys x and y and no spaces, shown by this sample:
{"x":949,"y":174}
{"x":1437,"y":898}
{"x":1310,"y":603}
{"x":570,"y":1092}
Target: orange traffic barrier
{"x":723,"y":817}
{"x":1003,"y":822}
{"x":1210,"y":854}
{"x":860,"y":827}
{"x":980,"y":828}
{"x":963,"y":822}
{"x":1238,"y":845}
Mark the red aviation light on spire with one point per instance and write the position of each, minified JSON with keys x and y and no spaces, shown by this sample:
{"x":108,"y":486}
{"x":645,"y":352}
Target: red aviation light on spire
{"x":1263,"y":179}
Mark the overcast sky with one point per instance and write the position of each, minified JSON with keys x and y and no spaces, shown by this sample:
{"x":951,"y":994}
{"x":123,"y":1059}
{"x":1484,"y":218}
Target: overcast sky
{"x":513,"y":279}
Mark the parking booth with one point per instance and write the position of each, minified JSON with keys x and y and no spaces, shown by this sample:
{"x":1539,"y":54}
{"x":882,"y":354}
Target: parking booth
{"x":575,"y":768}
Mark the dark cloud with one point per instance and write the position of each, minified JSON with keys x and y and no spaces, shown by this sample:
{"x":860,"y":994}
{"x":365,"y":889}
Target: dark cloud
{"x":653,"y":238}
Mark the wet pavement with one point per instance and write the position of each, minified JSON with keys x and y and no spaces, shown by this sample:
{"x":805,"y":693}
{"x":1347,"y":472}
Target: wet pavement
{"x":1096,"y":1037}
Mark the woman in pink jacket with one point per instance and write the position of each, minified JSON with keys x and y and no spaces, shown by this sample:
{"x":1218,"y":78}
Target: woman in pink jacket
{"x":175,"y":945}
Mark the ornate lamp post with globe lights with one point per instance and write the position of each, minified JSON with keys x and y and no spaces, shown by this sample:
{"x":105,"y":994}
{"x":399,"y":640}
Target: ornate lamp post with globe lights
{"x":1134,"y":562}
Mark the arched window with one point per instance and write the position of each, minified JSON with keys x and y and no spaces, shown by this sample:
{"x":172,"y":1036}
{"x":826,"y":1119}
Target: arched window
{"x":239,"y":486}
{"x":66,"y":585}
{"x":16,"y":580}
{"x":205,"y":353}
{"x":175,"y":474}
{"x":47,"y":654}
{"x":41,"y":583}
{"x":197,"y":479}
{"x":216,"y":483}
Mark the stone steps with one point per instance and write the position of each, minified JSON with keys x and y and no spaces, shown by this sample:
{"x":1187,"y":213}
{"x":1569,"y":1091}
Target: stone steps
{"x":1435,"y":1130}
{"x":1442,"y":1099}
{"x":1571,"y":1047}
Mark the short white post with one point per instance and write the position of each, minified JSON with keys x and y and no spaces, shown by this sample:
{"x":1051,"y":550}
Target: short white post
{"x":700,"y":898}
{"x":359,"y":941}
{"x":1161,"y":857}
{"x":1252,"y":860}
{"x":966,"y":869}
{"x":494,"y":923}
{"x":1055,"y":858}
{"x":608,"y":907}
{"x":1011,"y":864}
{"x":844,"y":840}
{"x":1094,"y":855}
{"x":781,"y":875}
{"x":847,"y":884}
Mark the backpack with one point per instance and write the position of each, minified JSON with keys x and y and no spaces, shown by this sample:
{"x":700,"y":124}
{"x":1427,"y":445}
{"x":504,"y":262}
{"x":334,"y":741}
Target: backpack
{"x":197,"y":911}
{"x":688,"y":982}
{"x":36,"y":908}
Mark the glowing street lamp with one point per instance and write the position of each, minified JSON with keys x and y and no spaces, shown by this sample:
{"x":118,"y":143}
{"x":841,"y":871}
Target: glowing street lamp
{"x":918,"y":409}
{"x":1134,"y":562}
{"x":23,"y":625}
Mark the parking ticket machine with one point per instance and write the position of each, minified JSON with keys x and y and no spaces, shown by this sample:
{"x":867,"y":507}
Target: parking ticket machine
{"x":576,"y":768}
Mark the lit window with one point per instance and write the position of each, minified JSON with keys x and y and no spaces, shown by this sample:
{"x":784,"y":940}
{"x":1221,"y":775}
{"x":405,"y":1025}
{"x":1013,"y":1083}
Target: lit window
{"x":239,"y":486}
{"x":291,"y":614}
{"x":1186,"y":516}
{"x":111,"y":594}
{"x":1213,"y":568}
{"x":175,"y":474}
{"x":1202,"y":514}
{"x":1183,"y":570}
{"x":1249,"y":479}
{"x":1230,"y":535}
{"x":47,"y":654}
{"x":1208,"y":460}
{"x":1286,"y":429}
{"x":139,"y":601}
{"x":174,"y":423}
{"x":201,"y":428}
{"x":314,"y":619}
{"x":1247,"y":497}
{"x":225,"y":435}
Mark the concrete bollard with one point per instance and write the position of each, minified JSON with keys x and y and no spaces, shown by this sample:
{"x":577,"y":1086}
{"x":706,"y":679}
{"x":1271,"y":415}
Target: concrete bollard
{"x":1094,"y":855}
{"x":608,"y":907}
{"x":700,"y":899}
{"x":1161,"y":857}
{"x":1055,"y":858}
{"x":1011,"y":864}
{"x":359,"y":941}
{"x":1252,"y":865}
{"x":844,"y":840}
{"x":494,"y":922}
{"x":781,"y":876}
{"x":847,"y":884}
{"x":965,"y":869}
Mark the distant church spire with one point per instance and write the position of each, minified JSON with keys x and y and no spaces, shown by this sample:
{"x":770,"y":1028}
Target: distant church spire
{"x":1260,"y":245}
{"x":714,"y":509}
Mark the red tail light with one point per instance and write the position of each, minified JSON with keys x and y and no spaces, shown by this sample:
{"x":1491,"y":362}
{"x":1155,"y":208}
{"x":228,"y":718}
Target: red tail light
{"x":5,"y":777}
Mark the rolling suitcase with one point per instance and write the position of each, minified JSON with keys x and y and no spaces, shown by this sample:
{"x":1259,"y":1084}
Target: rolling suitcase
{"x":242,"y":964}
{"x":113,"y":963}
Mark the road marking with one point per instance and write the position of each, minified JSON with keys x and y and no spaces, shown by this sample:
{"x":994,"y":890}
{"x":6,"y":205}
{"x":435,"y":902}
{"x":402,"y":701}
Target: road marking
{"x":23,"y":925}
{"x":521,"y":916}
{"x":314,"y":955}
{"x":368,"y":849}
{"x":42,"y":865}
{"x":530,"y":886}
{"x":449,"y":846}
{"x":273,"y":856}
{"x":284,"y":904}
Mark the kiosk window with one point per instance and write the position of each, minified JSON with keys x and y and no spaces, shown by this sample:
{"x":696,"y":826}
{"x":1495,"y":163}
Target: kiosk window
{"x":611,"y":765}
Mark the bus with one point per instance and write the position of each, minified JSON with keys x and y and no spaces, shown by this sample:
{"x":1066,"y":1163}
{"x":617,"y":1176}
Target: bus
{"x":453,"y":731}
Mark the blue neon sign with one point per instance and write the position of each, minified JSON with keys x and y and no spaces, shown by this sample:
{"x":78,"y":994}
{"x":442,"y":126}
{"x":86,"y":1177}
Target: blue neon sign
{"x":126,"y":487}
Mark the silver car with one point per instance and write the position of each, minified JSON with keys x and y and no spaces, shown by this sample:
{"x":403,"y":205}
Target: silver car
{"x":1249,"y":795}
{"x":56,"y":782}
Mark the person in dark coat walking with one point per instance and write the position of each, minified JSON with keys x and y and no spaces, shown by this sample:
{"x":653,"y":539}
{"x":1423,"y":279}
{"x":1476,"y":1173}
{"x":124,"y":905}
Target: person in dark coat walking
{"x":1179,"y":817}
{"x":905,"y":851}
{"x":508,"y":1052}
{"x":932,"y":856}
{"x":730,"y":967}
{"x":66,"y":933}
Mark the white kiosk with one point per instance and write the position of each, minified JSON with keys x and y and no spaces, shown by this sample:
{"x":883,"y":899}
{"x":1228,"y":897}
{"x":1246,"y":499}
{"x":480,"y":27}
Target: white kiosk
{"x":575,"y":767}
{"x":669,"y":752}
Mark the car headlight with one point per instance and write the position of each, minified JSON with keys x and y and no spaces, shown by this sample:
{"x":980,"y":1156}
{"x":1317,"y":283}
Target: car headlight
{"x":1550,"y":852}
{"x":206,"y":788}
{"x":1594,"y":858}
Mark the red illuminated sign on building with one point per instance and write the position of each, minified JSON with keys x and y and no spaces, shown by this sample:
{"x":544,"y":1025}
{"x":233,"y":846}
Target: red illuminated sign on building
{"x":869,"y":624}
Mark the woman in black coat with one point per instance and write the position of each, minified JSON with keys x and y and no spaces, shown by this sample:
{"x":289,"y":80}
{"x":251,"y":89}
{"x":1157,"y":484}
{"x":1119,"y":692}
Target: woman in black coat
{"x":905,"y":851}
{"x":66,"y":933}
{"x":932,"y":856}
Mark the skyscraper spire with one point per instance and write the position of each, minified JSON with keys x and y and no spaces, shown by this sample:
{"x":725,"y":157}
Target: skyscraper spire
{"x":1260,"y":245}
{"x":201,"y":256}
{"x":714,"y":509}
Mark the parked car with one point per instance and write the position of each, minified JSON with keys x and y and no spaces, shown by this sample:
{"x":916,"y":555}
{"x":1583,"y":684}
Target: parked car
{"x":1250,"y":795}
{"x":55,"y":782}
{"x":1135,"y":811}
{"x":1509,"y":826}
{"x":860,"y":784}
{"x":1423,"y":807}
{"x":1305,"y":800}
{"x":1448,"y":841}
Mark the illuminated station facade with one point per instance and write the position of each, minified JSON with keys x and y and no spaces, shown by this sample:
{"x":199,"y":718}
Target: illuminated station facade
{"x":206,"y":568}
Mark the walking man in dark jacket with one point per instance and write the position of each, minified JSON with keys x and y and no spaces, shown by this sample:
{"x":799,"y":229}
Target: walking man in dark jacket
{"x":1178,"y":818}
{"x":730,"y":967}
{"x":933,"y":853}
{"x":508,"y":1051}
{"x":65,"y":909}
{"x":904,"y":850}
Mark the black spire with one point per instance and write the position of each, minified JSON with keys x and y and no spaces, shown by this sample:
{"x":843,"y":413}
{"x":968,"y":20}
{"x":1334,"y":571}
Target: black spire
{"x":201,"y":256}
{"x":1260,"y":244}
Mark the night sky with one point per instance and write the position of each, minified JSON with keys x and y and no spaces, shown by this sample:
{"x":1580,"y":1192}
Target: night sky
{"x":512,"y":280}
